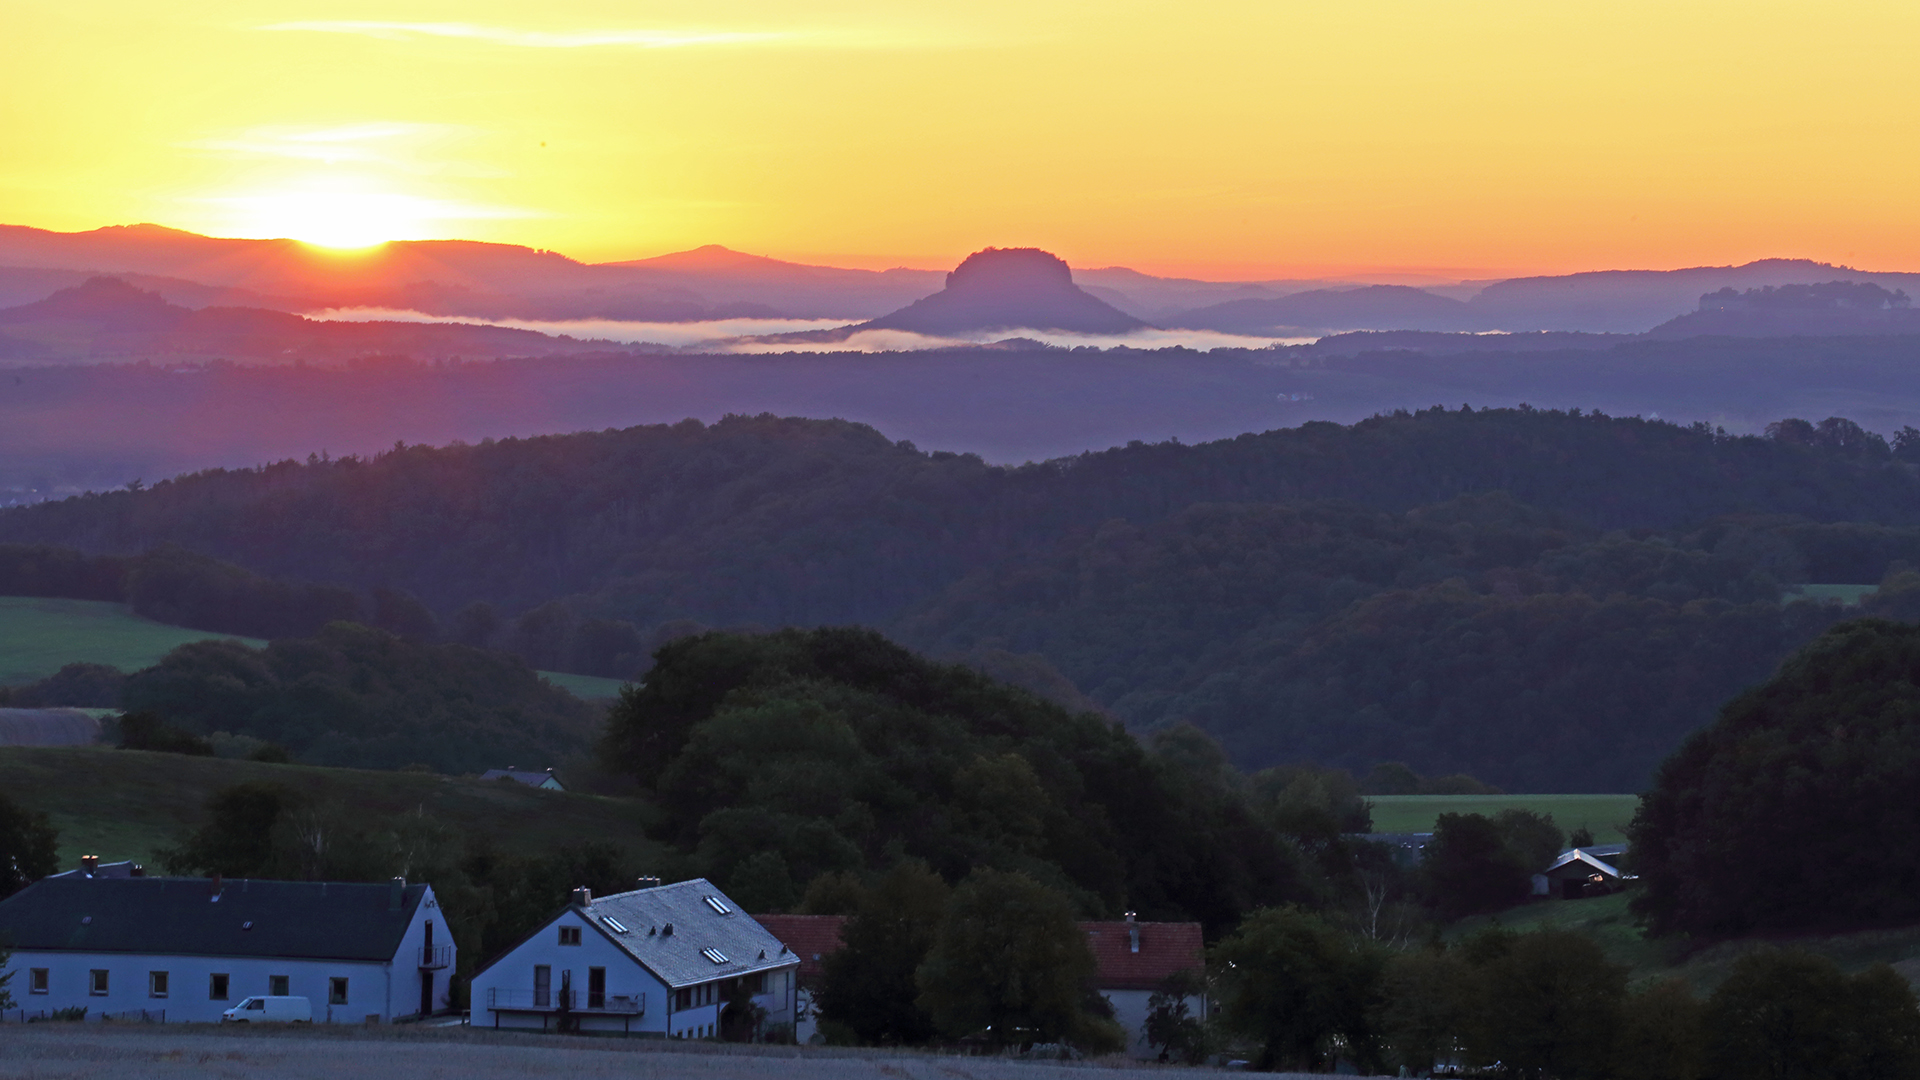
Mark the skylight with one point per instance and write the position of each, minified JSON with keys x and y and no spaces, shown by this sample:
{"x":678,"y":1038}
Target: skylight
{"x":718,"y":905}
{"x":714,"y":955}
{"x":614,"y":923}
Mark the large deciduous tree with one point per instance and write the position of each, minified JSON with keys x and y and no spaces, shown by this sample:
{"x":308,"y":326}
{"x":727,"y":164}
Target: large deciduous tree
{"x":1796,"y":807}
{"x":1298,"y":986}
{"x":29,"y":846}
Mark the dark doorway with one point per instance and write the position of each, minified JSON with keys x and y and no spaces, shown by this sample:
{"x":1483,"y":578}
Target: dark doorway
{"x":426,"y":993}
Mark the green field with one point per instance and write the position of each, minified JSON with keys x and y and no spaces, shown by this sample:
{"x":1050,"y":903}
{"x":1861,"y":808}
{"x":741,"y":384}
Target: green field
{"x":38,"y":637}
{"x":1609,"y":922}
{"x":1606,"y":816}
{"x":1845,"y":594}
{"x":122,"y":804}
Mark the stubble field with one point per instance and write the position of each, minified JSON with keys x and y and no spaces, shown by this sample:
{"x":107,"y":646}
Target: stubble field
{"x":64,"y":1051}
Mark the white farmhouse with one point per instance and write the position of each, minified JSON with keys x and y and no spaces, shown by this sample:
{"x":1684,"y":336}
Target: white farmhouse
{"x":188,"y":949}
{"x":675,"y":960}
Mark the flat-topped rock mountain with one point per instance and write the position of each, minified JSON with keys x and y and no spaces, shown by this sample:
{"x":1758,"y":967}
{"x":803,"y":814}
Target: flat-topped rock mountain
{"x":1009,"y":289}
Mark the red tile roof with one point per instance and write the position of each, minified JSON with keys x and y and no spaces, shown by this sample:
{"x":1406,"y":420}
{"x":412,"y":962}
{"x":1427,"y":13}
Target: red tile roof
{"x":1165,"y":948}
{"x":811,"y":937}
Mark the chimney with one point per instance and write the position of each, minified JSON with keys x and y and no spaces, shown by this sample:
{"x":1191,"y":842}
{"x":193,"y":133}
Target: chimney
{"x":89,"y":864}
{"x":649,"y":882}
{"x":583,"y":897}
{"x":396,"y":893}
{"x":136,"y":870}
{"x":1133,"y":934}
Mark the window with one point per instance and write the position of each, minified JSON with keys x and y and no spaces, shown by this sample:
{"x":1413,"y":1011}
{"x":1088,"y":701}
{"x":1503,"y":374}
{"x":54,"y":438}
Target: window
{"x":596,"y":988}
{"x":336,"y":991}
{"x":542,"y":986}
{"x":683,"y":999}
{"x":277,"y":986}
{"x":37,"y":981}
{"x":714,"y":955}
{"x":569,"y":935}
{"x":98,"y":986}
{"x":718,"y":905}
{"x":217,"y":987}
{"x":156,"y":984}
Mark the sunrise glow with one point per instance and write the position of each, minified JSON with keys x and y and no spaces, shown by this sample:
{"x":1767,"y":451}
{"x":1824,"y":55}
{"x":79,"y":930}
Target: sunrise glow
{"x":1219,"y":139}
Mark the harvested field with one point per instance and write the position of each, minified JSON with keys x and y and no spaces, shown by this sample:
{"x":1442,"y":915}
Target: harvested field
{"x":62,"y":1051}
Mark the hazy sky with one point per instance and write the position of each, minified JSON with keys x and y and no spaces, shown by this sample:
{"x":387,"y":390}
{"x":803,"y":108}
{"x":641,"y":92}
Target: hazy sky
{"x":1211,"y":138}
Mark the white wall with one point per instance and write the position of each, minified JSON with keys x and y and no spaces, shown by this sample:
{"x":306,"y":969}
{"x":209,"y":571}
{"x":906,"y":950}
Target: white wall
{"x":513,"y":971}
{"x":404,"y":997}
{"x":188,"y":982}
{"x":1130,"y":1010}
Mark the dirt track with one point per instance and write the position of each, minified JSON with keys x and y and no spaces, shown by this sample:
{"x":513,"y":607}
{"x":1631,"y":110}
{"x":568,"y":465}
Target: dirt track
{"x":61,"y":1051}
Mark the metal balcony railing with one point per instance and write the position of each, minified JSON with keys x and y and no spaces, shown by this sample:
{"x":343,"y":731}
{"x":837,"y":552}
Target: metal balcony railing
{"x":549,"y":1001}
{"x":435,"y":957}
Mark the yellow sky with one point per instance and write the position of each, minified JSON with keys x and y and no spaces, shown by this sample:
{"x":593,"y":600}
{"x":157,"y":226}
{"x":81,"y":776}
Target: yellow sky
{"x":1211,"y":138}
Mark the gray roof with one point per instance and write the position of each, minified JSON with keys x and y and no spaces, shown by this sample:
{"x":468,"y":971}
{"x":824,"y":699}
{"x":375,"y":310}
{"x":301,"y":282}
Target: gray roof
{"x":1599,"y":851}
{"x":679,"y":959}
{"x":536,"y":777}
{"x":1585,"y":855}
{"x":315,"y":920}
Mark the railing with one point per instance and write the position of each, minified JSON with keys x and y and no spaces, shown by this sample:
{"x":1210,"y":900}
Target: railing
{"x":435,"y":957}
{"x":549,"y":1001}
{"x":136,"y":1016}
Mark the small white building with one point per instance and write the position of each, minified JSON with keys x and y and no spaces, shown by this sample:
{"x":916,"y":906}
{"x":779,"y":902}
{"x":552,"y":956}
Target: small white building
{"x":540,"y":778}
{"x":188,"y":949}
{"x":665,"y":960}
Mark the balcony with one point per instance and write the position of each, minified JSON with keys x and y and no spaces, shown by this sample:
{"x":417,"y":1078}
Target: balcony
{"x":549,"y":1001}
{"x":435,"y":957}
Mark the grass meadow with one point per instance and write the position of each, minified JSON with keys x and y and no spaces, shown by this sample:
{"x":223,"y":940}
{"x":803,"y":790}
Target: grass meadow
{"x":122,"y":804}
{"x":1606,"y":816}
{"x":39,"y":636}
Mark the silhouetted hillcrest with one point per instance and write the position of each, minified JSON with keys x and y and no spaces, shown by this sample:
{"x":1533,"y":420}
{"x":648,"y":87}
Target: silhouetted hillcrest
{"x":1006,"y":289}
{"x":105,"y":317}
{"x":1833,"y":308}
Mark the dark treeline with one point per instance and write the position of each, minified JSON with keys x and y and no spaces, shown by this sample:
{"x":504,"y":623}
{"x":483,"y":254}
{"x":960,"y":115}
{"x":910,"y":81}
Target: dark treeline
{"x":1547,"y":600}
{"x":360,"y":697}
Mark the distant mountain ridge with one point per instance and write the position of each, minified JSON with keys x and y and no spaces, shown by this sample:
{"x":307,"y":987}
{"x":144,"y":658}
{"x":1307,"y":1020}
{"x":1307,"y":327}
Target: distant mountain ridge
{"x":105,"y":318}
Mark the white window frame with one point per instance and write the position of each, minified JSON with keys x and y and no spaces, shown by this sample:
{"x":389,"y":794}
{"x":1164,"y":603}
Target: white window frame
{"x":39,"y":980}
{"x":279,"y":985}
{"x":337,"y":990}
{"x":219,"y":986}
{"x":157,"y":984}
{"x":98,"y":984}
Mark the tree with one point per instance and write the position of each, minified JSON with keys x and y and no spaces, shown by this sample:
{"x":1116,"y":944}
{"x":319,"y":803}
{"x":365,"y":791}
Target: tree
{"x":237,"y":840}
{"x":1009,"y":963}
{"x":1662,"y":1033}
{"x":1795,"y":808}
{"x":1470,"y":869}
{"x":6,"y":978}
{"x":145,"y":730}
{"x":29,"y":847}
{"x":1170,"y":1023}
{"x":1784,"y":1015}
{"x":1426,"y":1009}
{"x":1293,"y":982}
{"x":869,"y":983}
{"x":1550,"y":1006}
{"x":1533,"y":838}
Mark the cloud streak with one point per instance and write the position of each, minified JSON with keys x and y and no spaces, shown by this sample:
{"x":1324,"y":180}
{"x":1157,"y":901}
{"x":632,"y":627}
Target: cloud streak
{"x":537,"y":39}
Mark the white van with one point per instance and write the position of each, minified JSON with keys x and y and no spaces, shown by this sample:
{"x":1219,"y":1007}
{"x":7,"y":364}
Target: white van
{"x":285,"y":1010}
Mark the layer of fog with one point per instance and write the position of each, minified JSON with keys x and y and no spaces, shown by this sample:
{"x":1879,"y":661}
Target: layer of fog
{"x":771,"y":335}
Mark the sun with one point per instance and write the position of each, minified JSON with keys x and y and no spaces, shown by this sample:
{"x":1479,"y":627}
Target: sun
{"x":333,"y":218}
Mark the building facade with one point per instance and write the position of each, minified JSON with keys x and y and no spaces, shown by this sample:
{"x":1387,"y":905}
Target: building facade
{"x":678,"y":961}
{"x":188,"y":949}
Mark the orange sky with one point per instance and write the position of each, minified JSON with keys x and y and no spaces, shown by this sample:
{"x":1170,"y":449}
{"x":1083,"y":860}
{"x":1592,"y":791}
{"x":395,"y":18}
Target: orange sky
{"x":1221,"y":139}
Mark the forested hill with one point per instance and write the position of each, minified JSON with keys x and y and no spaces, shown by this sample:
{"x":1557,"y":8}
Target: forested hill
{"x":1351,"y":594}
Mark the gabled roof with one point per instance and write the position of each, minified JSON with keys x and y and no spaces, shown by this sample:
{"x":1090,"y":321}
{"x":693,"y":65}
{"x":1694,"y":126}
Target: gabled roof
{"x":122,"y":869}
{"x":702,"y":918}
{"x":315,"y":920}
{"x":1165,"y":948}
{"x":811,"y":937}
{"x":1581,"y":855}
